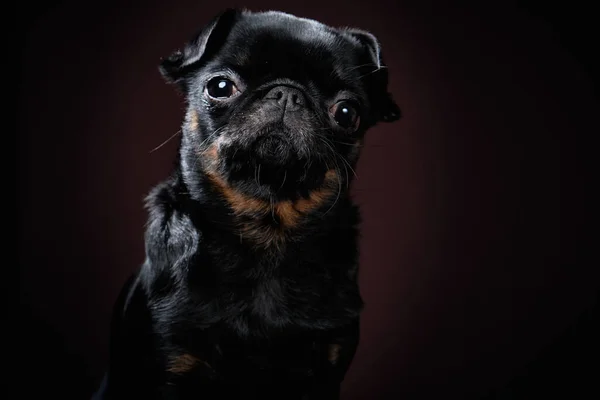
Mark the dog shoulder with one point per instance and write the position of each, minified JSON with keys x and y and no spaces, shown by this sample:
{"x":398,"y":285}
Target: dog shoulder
{"x":171,"y":238}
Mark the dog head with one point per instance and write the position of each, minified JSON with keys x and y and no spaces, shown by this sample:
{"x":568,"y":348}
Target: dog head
{"x":277,"y":105}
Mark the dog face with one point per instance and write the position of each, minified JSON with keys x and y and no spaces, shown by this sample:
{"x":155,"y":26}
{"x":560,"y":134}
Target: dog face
{"x":277,"y":105}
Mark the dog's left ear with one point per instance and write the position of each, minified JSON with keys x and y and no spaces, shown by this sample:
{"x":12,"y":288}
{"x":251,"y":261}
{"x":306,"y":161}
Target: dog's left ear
{"x":385,"y":106}
{"x":179,"y":64}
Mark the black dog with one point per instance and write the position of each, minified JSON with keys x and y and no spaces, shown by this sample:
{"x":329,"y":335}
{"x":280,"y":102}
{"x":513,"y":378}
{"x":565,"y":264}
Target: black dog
{"x":249,"y":288}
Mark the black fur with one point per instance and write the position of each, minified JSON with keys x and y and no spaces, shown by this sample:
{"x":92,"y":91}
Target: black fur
{"x":250,"y":278}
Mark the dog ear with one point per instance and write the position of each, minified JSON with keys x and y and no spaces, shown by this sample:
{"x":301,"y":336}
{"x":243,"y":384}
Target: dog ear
{"x":205,"y":43}
{"x":386,"y":108}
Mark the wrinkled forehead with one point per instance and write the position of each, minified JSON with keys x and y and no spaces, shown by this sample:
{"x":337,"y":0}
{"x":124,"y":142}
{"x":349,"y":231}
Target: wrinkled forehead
{"x":280,"y":46}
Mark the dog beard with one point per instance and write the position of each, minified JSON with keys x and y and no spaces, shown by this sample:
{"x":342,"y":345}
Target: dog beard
{"x":273,"y":163}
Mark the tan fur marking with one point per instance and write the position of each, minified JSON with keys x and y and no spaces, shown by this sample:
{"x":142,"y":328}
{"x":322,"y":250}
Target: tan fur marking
{"x":334,"y":353}
{"x":184,"y":363}
{"x":241,"y":204}
{"x":289,"y":212}
{"x":318,"y":197}
{"x":193,"y":120}
{"x":211,"y":153}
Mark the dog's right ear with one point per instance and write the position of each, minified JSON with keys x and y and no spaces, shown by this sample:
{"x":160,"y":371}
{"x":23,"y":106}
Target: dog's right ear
{"x":205,"y":43}
{"x":387,"y":109}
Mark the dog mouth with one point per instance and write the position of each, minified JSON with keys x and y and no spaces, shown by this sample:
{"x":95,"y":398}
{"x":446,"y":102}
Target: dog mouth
{"x":273,"y":147}
{"x":271,"y":163}
{"x":274,"y":150}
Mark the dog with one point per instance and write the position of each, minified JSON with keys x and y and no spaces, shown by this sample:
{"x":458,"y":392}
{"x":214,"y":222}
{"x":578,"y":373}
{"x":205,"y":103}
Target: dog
{"x":249,"y":286}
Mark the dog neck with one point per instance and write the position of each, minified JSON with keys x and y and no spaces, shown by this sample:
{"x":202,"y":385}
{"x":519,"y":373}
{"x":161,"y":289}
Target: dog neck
{"x":270,"y":223}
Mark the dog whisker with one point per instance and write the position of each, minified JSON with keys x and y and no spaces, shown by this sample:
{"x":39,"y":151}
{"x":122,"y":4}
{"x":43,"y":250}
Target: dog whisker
{"x":165,"y":142}
{"x":216,"y":132}
{"x":348,"y":164}
{"x":337,"y":154}
{"x":284,"y":177}
{"x":362,"y":66}
{"x":272,"y":205}
{"x":356,"y":67}
{"x":203,"y":151}
{"x":258,"y":175}
{"x":334,"y":141}
{"x":347,"y":177}
{"x":344,"y":143}
{"x":337,"y":196}
{"x":372,"y":72}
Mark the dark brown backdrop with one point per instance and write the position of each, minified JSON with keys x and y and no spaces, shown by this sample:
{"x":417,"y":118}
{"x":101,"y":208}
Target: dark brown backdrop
{"x":473,"y":265}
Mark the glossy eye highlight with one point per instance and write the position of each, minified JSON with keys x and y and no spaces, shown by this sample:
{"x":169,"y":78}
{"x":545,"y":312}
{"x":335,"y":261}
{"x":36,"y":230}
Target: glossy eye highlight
{"x":220,"y":88}
{"x":345,"y":114}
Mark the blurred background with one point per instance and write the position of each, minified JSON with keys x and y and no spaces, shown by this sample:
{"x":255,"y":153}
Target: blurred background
{"x":476,"y":264}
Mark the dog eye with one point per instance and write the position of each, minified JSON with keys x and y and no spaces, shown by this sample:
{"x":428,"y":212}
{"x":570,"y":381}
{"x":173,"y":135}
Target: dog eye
{"x":220,"y":88}
{"x":345,"y":113}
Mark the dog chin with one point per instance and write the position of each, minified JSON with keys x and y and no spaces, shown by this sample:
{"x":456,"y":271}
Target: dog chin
{"x":271,"y":169}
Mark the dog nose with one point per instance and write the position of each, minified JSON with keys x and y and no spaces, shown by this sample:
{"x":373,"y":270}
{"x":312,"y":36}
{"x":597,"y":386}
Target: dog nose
{"x":288,"y":98}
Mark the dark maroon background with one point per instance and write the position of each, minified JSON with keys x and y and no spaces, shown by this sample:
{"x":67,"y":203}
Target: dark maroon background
{"x":474,"y":267}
